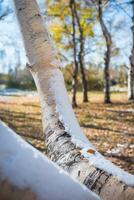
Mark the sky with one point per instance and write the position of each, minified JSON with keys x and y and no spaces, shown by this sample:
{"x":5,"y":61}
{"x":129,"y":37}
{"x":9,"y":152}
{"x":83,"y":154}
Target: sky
{"x":118,"y":21}
{"x":12,"y":51}
{"x":119,"y":25}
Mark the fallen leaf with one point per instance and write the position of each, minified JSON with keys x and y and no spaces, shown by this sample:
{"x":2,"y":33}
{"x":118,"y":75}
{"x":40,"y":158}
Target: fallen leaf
{"x":91,"y":151}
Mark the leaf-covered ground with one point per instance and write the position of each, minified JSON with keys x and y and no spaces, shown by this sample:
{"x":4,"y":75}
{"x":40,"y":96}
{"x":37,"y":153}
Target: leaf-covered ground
{"x":109,"y":127}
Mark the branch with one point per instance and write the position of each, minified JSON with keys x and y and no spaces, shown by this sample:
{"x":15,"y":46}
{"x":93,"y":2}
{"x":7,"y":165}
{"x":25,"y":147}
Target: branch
{"x":119,"y":6}
{"x":28,"y":174}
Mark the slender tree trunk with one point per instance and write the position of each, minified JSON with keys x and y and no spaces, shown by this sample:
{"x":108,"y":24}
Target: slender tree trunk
{"x":75,"y":69}
{"x":66,"y":144}
{"x":107,"y":58}
{"x":131,"y":70}
{"x":83,"y":75}
{"x":107,"y":76}
{"x":81,"y":57}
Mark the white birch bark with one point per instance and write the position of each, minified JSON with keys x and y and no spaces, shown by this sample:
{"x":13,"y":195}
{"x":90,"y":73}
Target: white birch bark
{"x":67,"y":145}
{"x":131,"y":68}
{"x":26,"y":174}
{"x":131,"y":83}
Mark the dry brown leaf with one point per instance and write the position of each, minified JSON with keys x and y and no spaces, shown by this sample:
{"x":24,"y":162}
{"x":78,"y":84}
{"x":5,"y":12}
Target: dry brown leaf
{"x":91,"y":151}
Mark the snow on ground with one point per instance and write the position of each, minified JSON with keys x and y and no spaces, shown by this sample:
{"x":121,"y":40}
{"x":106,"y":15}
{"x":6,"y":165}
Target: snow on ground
{"x":118,"y":89}
{"x":16,"y":92}
{"x":24,"y":166}
{"x":130,"y":110}
{"x":67,"y":117}
{"x":7,"y":95}
{"x":118,"y":149}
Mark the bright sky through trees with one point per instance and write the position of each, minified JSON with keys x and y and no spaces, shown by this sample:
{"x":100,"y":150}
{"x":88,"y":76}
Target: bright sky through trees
{"x":118,"y":21}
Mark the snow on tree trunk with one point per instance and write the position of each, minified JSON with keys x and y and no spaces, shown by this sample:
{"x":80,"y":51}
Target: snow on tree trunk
{"x":66,"y":143}
{"x":27,"y":174}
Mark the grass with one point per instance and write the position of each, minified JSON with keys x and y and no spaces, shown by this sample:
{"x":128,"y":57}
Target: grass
{"x":106,"y":126}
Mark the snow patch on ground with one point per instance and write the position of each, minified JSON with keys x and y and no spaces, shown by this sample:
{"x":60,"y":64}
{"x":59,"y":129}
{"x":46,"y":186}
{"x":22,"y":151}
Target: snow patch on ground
{"x":118,"y":149}
{"x":16,"y":92}
{"x":67,"y":117}
{"x":129,"y":110}
{"x":24,"y":166}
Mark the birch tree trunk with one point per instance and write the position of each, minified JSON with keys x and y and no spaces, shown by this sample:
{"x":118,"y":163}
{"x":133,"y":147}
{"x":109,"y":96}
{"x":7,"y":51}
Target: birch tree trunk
{"x":131,"y":70}
{"x":107,"y":58}
{"x":75,"y":69}
{"x":66,"y":144}
{"x":26,"y":174}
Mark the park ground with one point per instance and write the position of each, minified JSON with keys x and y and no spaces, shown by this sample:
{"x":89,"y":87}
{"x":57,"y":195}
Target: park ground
{"x":110,"y":127}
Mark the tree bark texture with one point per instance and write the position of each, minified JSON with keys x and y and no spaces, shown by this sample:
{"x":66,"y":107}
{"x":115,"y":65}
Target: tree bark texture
{"x":107,"y":57}
{"x":60,"y":134}
{"x":131,"y":70}
{"x":81,"y":57}
{"x":26,"y":174}
{"x":75,"y":69}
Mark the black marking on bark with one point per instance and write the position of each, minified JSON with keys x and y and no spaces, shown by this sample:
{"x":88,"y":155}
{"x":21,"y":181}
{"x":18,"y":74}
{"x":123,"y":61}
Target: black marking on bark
{"x":125,"y":187}
{"x":59,"y":157}
{"x":65,"y":153}
{"x":28,"y":66}
{"x":65,"y":134}
{"x":96,"y":180}
{"x":77,"y":157}
{"x":61,"y":145}
{"x":60,"y":124}
{"x":64,"y":142}
{"x":79,"y":173}
{"x":53,"y":138}
{"x":20,"y":9}
{"x":37,"y":15}
{"x":48,"y":132}
{"x":104,"y":177}
{"x":92,"y":178}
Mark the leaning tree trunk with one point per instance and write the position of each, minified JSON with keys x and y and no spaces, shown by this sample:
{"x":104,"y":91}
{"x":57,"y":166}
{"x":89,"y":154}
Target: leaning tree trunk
{"x":66,"y":144}
{"x":131,"y":70}
{"x":75,"y":69}
{"x":108,"y":40}
{"x":26,"y":174}
{"x":81,"y":56}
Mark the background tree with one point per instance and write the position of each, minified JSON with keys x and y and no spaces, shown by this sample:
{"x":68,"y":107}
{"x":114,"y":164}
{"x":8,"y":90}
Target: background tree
{"x":75,"y":68}
{"x":4,"y":12}
{"x":131,"y":70}
{"x":123,"y":6}
{"x":83,"y":30}
{"x":108,"y":40}
{"x":81,"y":23}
